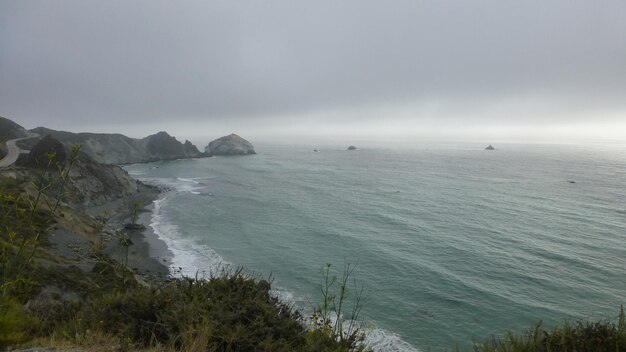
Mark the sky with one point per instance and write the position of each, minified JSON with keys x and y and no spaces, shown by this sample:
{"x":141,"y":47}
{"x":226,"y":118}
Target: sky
{"x":493,"y":69}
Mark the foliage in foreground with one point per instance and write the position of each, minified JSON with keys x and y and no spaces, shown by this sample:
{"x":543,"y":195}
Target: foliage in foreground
{"x":581,"y":336}
{"x":229,"y":313}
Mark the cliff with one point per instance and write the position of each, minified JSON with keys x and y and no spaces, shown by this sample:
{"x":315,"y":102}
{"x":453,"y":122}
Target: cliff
{"x":89,"y":182}
{"x":119,"y":149}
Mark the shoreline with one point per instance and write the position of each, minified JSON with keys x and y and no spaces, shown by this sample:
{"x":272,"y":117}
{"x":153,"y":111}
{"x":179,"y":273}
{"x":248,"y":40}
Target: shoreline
{"x":148,"y":256}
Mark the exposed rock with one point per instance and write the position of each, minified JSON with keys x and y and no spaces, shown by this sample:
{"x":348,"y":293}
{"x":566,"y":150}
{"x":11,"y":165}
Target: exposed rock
{"x":88,"y":183}
{"x":191,"y":150}
{"x":490,"y":147}
{"x":230,"y":145}
{"x":92,"y":183}
{"x":48,"y":152}
{"x":351,"y":147}
{"x":164,"y":145}
{"x":134,"y":226}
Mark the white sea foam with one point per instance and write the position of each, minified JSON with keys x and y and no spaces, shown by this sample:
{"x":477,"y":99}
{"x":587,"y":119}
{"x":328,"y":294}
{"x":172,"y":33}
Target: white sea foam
{"x":385,"y":341}
{"x":136,"y":172}
{"x":176,"y":184}
{"x":379,"y":340}
{"x":189,"y":258}
{"x":188,"y":180}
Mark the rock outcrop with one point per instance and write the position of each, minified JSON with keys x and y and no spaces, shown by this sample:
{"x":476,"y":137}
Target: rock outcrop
{"x":165,"y":147}
{"x":190,"y":149}
{"x":47,"y":153}
{"x":119,"y":149}
{"x":89,"y":182}
{"x":229,"y":145}
{"x":351,"y":147}
{"x":490,"y":147}
{"x":92,"y":183}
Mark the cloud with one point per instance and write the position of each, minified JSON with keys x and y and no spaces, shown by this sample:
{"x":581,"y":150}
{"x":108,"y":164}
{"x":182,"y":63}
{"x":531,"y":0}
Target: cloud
{"x":274,"y":64}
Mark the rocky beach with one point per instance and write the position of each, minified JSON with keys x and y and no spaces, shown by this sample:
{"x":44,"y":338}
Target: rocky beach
{"x":148,"y":256}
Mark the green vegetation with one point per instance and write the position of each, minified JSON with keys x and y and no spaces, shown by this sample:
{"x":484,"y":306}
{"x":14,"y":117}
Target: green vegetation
{"x":581,"y":336}
{"x":335,"y":304}
{"x":227,"y":313}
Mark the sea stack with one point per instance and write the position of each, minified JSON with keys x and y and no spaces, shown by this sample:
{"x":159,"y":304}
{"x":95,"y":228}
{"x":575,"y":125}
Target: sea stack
{"x":490,"y":147}
{"x":230,"y":145}
{"x":351,"y":147}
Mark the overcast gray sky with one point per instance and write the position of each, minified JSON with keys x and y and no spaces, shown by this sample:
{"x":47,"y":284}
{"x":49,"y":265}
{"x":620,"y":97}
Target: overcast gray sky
{"x":356,"y":67}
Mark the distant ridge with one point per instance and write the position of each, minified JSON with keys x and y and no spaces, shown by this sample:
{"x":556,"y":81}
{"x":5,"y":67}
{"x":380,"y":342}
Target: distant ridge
{"x":115,"y":148}
{"x":11,"y":130}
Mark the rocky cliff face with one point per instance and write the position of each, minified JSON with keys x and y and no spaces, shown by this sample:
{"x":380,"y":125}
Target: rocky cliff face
{"x":92,"y":183}
{"x":119,"y":149}
{"x":47,"y":153}
{"x":229,"y":145}
{"x":166,"y":147}
{"x":191,"y":149}
{"x":89,"y":183}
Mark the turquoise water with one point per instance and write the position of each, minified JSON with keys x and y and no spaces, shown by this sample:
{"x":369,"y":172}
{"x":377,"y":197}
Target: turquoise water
{"x":452,"y":242}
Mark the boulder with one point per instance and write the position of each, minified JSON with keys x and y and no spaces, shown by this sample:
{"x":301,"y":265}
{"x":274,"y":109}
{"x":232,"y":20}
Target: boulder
{"x":230,"y":145}
{"x":490,"y":147}
{"x":351,"y":147}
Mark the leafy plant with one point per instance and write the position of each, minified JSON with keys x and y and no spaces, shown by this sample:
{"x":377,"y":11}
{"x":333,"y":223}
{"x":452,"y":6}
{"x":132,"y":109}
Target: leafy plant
{"x":580,"y":336}
{"x":338,"y":314}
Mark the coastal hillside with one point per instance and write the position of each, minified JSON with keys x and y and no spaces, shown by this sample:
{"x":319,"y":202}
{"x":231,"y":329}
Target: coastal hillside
{"x":11,"y":130}
{"x":116,"y":148}
{"x":87,"y":182}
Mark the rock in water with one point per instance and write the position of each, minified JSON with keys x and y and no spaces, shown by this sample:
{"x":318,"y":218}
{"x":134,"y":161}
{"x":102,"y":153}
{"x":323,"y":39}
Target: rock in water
{"x":230,"y":145}
{"x":490,"y":147}
{"x":351,"y":147}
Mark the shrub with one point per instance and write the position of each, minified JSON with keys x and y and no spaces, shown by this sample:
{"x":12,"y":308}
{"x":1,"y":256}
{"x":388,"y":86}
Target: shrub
{"x":14,"y":323}
{"x":581,"y":336}
{"x":229,"y":313}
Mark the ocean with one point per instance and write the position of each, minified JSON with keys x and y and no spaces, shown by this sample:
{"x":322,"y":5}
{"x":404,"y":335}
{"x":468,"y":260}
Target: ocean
{"x":452,"y":243}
